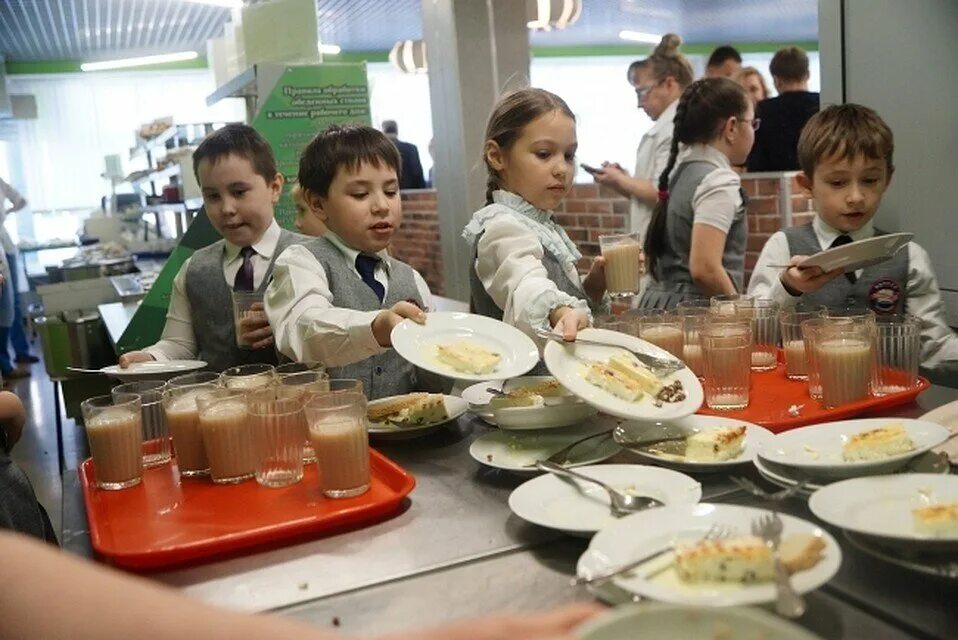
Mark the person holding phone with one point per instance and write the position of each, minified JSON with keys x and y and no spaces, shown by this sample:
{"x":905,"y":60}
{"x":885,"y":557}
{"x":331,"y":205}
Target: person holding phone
{"x":659,"y":81}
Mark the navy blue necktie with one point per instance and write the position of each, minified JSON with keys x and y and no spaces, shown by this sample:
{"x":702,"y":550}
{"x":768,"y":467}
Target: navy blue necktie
{"x":244,"y":277}
{"x":366,"y":266}
{"x":841,"y":241}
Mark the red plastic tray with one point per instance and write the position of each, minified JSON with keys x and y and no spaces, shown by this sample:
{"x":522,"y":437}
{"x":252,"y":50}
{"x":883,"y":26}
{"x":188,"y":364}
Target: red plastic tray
{"x":166,"y":521}
{"x":771,"y":394}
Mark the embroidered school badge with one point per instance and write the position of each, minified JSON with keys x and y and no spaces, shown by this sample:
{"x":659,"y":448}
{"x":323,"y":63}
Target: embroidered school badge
{"x":884,"y":296}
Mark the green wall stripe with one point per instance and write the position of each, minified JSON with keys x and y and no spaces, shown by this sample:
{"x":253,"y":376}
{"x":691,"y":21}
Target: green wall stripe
{"x":73,"y":66}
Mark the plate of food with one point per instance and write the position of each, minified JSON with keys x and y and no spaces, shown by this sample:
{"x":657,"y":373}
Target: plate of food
{"x":612,"y":379}
{"x":581,"y":508}
{"x":947,"y":416}
{"x":681,"y":622}
{"x":412,"y":415}
{"x":734,"y":570}
{"x":859,"y":254}
{"x":850,"y":448}
{"x":694,"y":443}
{"x":527,"y":402}
{"x":518,"y":451}
{"x":153,"y":369}
{"x":465,"y":346}
{"x":916,"y":509}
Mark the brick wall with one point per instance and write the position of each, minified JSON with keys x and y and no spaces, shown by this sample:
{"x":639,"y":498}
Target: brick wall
{"x":590,"y":210}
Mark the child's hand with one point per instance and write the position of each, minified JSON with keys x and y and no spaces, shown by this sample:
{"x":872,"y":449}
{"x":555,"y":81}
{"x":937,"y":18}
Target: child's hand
{"x":567,"y":322}
{"x":594,"y":282}
{"x":610,"y":174}
{"x":387,"y":319}
{"x":806,"y":279}
{"x":133,"y":357}
{"x":255,"y":329}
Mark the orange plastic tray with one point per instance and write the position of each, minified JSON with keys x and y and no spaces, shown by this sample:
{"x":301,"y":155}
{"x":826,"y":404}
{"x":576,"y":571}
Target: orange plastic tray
{"x":165,"y":521}
{"x":771,"y":394}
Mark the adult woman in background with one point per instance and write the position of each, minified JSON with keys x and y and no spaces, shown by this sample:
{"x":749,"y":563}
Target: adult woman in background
{"x":752,"y":81}
{"x":659,"y":81}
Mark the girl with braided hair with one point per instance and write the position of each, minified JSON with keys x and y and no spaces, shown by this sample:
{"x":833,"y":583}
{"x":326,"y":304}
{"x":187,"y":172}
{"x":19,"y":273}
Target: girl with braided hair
{"x":524,"y":264}
{"x":695,"y":246}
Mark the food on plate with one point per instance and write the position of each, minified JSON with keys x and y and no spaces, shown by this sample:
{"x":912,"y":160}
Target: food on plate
{"x":937,"y":520}
{"x":529,"y":395}
{"x":468,"y":357}
{"x":510,"y":400}
{"x":613,"y":381}
{"x":410,"y":410}
{"x":715,"y":445}
{"x":876,"y":444}
{"x":745,"y":559}
{"x":629,"y":366}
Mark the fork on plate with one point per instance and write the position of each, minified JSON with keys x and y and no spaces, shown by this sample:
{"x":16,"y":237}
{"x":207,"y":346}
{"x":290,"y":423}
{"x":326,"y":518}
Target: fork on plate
{"x":788,"y":602}
{"x":561,"y":457}
{"x":750,"y":487}
{"x":660,"y":366}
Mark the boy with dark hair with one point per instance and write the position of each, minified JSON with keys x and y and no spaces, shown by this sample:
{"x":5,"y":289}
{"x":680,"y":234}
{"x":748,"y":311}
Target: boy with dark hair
{"x":783,"y":116}
{"x":724,"y":62}
{"x":337,"y":298}
{"x":237,"y":173}
{"x":846,"y":157}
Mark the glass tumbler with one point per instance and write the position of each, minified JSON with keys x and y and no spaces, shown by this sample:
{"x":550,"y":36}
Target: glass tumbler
{"x":793,"y":345}
{"x":183,"y":421}
{"x":156,"y":436}
{"x":623,"y":263}
{"x":276,"y":424}
{"x":115,"y":437}
{"x":302,"y":387}
{"x":727,"y":357}
{"x":339,"y":431}
{"x":843,"y":361}
{"x":693,"y":318}
{"x":243,"y":303}
{"x":248,"y":376}
{"x":897,"y":348}
{"x":224,"y":427}
{"x":662,"y":328}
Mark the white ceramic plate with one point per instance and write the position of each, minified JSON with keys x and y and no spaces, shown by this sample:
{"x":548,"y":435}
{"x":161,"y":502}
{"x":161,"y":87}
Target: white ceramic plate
{"x":455,"y":407}
{"x":817,"y":449}
{"x":682,"y":622}
{"x":646,"y":531}
{"x":881,"y":506}
{"x":860,"y":254}
{"x":946,"y":416}
{"x":417,"y":343}
{"x":571,"y":411}
{"x":514,"y":451}
{"x":940,"y":565}
{"x":582,"y":508}
{"x":567,"y":362}
{"x":477,"y":396}
{"x":164,"y":369}
{"x":632,"y":431}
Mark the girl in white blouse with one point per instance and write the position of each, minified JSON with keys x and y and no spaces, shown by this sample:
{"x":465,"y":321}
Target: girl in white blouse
{"x":524,"y":271}
{"x":695,"y":246}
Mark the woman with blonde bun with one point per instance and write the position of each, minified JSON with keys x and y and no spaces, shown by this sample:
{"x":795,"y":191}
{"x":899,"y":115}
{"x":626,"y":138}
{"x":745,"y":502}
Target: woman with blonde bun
{"x":659,"y":81}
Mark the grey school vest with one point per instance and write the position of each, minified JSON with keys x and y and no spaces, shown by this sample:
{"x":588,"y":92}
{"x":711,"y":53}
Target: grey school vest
{"x":211,"y":303}
{"x":673,"y":280}
{"x":387,"y":374}
{"x":482,"y":302}
{"x":882,"y":287}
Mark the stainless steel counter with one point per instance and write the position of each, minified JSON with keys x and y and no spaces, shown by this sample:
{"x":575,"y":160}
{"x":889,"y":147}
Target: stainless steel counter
{"x":457,"y":546}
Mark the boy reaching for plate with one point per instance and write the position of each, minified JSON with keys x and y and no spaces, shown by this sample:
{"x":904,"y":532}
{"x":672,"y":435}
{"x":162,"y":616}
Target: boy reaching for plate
{"x":845,"y":152}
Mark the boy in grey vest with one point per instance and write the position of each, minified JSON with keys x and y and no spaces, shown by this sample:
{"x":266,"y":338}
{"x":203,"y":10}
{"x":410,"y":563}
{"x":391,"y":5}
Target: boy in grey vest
{"x":336,"y":299}
{"x":845,"y":152}
{"x":237,"y":173}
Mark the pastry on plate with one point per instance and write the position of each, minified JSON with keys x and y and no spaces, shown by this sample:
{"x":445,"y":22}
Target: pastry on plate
{"x":629,"y":366}
{"x":612,"y":380}
{"x":745,"y":559}
{"x":875,"y":444}
{"x":468,"y":357}
{"x":411,"y":410}
{"x":715,"y":445}
{"x":937,"y":520}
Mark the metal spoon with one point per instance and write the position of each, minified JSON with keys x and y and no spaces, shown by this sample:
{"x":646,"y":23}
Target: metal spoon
{"x":621,"y":503}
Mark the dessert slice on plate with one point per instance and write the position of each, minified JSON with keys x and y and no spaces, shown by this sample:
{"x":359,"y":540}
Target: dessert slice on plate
{"x":468,"y":357}
{"x":875,"y":444}
{"x":411,"y":409}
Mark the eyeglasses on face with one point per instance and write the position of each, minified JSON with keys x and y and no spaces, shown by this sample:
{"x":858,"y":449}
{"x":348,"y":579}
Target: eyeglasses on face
{"x":755,"y":122}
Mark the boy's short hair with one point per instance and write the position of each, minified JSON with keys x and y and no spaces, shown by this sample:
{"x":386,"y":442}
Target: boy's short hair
{"x":848,"y":130}
{"x":723,"y":53}
{"x":240,"y":140}
{"x":344,"y":146}
{"x":789,"y":64}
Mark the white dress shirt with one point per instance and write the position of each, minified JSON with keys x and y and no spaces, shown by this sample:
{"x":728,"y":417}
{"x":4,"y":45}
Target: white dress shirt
{"x":650,"y":160}
{"x":307,"y":325}
{"x":939,"y":343}
{"x":509,"y":261}
{"x":718,"y":196}
{"x":178,"y":341}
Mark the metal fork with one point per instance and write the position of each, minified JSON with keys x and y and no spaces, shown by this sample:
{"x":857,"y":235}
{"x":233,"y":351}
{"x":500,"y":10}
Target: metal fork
{"x":659,"y":366}
{"x":715,"y":532}
{"x":561,"y":456}
{"x":788,"y":602}
{"x":750,"y":487}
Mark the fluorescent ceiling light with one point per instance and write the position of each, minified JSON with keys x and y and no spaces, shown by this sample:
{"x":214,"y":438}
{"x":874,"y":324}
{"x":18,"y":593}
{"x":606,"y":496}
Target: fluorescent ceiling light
{"x":329,"y":49}
{"x":640,"y":36}
{"x":139,"y":62}
{"x":229,"y":4}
